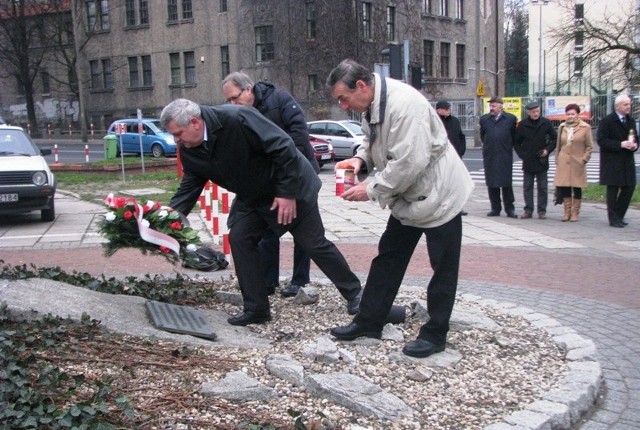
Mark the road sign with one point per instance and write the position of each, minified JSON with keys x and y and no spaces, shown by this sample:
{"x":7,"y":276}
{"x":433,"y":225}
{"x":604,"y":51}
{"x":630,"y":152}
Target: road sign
{"x":480,"y":91}
{"x":121,"y":128}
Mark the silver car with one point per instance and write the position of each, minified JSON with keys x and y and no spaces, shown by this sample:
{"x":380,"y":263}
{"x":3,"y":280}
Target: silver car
{"x":345,"y":136}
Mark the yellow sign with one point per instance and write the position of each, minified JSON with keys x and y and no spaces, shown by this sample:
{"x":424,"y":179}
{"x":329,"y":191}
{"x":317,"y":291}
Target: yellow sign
{"x":480,"y":90}
{"x":513,"y":105}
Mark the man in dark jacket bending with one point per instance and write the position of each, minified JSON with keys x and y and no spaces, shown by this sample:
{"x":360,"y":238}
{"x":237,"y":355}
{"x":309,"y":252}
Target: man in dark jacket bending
{"x":535,"y":140}
{"x":281,"y":108}
{"x":276,"y":188}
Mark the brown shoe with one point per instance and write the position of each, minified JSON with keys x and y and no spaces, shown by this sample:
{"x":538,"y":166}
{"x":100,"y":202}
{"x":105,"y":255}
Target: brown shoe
{"x":525,"y":215}
{"x":542,"y":215}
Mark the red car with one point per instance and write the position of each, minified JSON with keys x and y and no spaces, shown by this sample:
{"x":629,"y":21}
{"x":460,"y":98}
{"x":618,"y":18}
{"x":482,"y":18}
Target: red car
{"x":323,"y":150}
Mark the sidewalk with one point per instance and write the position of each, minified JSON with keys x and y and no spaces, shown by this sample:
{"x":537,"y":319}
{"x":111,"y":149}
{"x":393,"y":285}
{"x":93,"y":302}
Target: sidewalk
{"x":584,"y":274}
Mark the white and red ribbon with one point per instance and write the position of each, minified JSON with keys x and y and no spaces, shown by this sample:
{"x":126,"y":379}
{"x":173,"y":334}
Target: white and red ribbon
{"x":154,"y":236}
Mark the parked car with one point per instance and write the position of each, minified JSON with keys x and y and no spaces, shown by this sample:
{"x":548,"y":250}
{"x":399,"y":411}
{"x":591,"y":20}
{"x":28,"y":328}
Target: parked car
{"x":155,"y":140}
{"x":323,"y":150}
{"x":345,"y":136}
{"x":26,"y":182}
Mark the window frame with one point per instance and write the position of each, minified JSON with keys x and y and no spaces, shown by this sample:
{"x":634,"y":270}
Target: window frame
{"x":225,"y":63}
{"x":444,"y":71}
{"x":310,"y":17}
{"x":461,"y":61}
{"x":428,"y":57}
{"x":264,"y":49}
{"x":367,"y":18}
{"x":391,"y":23}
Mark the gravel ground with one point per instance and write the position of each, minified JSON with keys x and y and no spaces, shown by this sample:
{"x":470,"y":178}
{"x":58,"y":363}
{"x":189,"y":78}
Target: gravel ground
{"x":499,"y":372}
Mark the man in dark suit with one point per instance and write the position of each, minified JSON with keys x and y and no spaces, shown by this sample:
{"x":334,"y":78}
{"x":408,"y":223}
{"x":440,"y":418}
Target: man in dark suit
{"x":275,"y":185}
{"x":618,"y":140}
{"x":454,"y":130}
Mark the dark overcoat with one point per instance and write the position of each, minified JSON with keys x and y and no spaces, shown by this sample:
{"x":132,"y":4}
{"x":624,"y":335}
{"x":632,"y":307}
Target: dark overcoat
{"x":249,"y":155}
{"x":617,"y":164}
{"x":281,"y":108}
{"x":532,"y":137}
{"x":497,"y":148}
{"x":455,"y":134}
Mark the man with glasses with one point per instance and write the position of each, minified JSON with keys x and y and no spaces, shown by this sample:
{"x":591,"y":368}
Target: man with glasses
{"x":281,"y":108}
{"x":425,"y":184}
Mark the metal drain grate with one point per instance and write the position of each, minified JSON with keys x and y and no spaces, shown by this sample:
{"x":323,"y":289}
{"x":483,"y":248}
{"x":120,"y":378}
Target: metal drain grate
{"x":179,"y":319}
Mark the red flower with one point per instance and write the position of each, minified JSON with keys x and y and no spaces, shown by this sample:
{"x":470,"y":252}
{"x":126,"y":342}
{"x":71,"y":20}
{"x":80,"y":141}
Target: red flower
{"x":164,"y":250}
{"x":127,"y":214}
{"x":119,"y":202}
{"x":156,"y":206}
{"x":176,"y":225}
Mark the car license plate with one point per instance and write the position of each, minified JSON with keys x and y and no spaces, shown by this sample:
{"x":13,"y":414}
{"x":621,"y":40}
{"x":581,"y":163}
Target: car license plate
{"x":325,"y":157}
{"x":8,"y":198}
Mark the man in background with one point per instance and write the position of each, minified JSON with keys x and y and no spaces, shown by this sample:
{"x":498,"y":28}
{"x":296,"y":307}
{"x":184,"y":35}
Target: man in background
{"x":497,"y":132}
{"x":281,"y":108}
{"x":454,"y":130}
{"x":535,"y":140}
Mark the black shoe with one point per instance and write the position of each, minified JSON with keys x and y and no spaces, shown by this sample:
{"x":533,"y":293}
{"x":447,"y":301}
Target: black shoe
{"x":271,"y":290}
{"x":494,"y":213}
{"x":248,"y":317}
{"x":624,"y":223}
{"x":512,"y":214}
{"x":354,"y":331}
{"x":421,"y":348}
{"x":617,"y":224}
{"x":290,"y":291}
{"x":464,"y":213}
{"x":353,"y":305}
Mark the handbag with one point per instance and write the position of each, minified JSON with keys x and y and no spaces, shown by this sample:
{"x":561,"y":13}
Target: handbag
{"x":557,"y":198}
{"x":205,"y":259}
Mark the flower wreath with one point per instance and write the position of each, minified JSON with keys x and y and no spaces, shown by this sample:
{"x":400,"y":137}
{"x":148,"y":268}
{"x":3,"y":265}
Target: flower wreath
{"x":150,"y":227}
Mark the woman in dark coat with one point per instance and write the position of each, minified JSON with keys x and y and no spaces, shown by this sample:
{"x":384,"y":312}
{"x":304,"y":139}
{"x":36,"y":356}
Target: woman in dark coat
{"x":617,"y":167}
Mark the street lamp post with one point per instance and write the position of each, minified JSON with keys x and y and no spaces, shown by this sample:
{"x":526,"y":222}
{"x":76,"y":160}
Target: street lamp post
{"x":540,"y":3}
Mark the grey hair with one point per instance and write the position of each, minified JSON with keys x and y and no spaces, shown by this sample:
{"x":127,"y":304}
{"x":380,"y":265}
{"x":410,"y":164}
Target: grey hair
{"x":181,"y":111}
{"x":239,"y":79}
{"x":621,"y":98}
{"x":349,"y":72}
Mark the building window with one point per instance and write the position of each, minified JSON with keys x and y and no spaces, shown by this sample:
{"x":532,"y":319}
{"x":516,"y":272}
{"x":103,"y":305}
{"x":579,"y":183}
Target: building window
{"x":366,"y":20}
{"x":427,"y":54}
{"x":223,"y":6}
{"x":579,"y":40}
{"x":264,"y":43}
{"x":97,"y":15}
{"x":444,"y":7}
{"x":460,"y":62}
{"x":176,"y":71}
{"x":187,"y":9}
{"x":144,"y":11}
{"x":427,"y":6}
{"x":313,"y":82}
{"x":311,"y":20}
{"x":46,"y":84}
{"x":224,"y":61}
{"x":101,"y":74}
{"x":172,"y":10}
{"x":459,"y":9}
{"x":189,"y":67}
{"x":391,"y":24}
{"x":130,"y":12}
{"x":137,"y":80}
{"x":445,"y":55}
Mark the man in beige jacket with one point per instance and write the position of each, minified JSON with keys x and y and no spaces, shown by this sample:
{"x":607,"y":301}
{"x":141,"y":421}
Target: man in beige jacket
{"x":421,"y":178}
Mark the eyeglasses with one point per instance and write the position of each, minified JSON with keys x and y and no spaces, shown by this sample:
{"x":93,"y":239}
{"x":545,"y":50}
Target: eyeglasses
{"x":236,"y":97}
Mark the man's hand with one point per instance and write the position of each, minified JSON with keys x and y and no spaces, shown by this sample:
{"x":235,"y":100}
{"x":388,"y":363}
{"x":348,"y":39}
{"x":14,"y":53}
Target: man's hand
{"x":351,"y":163}
{"x":357,"y":193}
{"x":286,"y":210}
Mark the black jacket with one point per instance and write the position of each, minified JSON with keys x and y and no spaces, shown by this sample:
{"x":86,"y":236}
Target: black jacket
{"x":250,"y":156}
{"x":617,"y":165}
{"x":455,"y":134}
{"x":281,"y":108}
{"x":531,"y":138}
{"x":497,"y":148}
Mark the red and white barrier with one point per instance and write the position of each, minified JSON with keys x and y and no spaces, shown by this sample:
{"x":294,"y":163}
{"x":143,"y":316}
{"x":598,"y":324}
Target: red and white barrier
{"x":55,"y":153}
{"x":215,"y":203}
{"x":86,"y":153}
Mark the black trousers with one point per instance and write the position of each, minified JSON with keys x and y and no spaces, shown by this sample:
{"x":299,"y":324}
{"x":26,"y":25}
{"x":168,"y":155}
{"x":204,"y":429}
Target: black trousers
{"x":618,"y":199}
{"x":270,"y":254}
{"x":388,"y":268}
{"x":308,"y":231}
{"x":541,"y":179}
{"x":507,"y":199}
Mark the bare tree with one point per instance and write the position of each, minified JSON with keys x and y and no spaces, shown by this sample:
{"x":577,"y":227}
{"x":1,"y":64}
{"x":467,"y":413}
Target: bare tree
{"x":610,"y":40}
{"x":24,"y":45}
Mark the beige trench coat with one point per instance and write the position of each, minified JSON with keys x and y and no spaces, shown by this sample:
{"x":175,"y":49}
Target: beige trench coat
{"x":572,"y":156}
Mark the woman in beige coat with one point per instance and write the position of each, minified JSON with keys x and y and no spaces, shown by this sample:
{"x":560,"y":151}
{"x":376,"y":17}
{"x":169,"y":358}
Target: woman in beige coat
{"x":573,"y":151}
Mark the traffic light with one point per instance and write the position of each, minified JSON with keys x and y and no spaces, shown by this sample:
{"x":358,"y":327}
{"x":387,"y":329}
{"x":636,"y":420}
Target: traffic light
{"x":395,"y":60}
{"x":416,"y":77}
